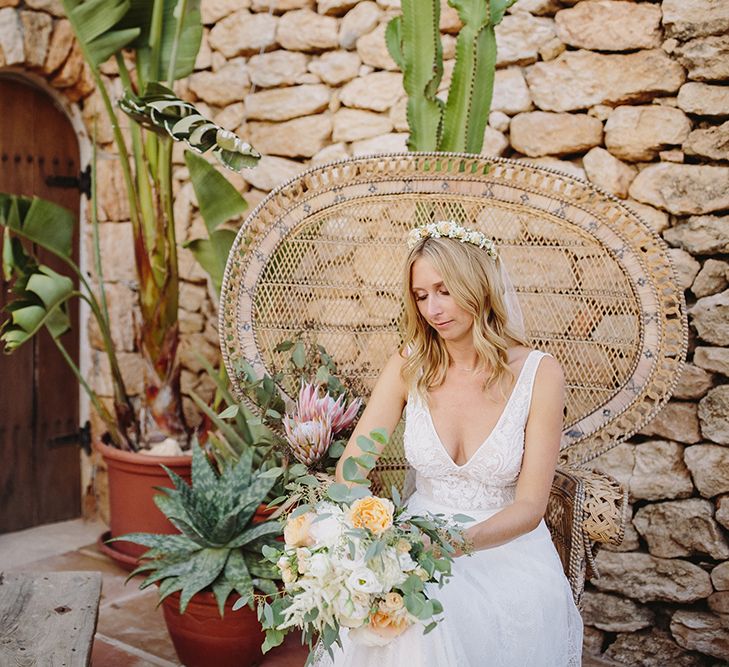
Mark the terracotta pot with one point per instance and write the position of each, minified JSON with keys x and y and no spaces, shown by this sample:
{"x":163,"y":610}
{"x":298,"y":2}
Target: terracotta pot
{"x":201,"y":638}
{"x":132,"y":478}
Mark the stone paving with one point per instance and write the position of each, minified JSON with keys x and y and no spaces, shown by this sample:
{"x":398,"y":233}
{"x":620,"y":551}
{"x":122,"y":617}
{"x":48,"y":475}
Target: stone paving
{"x":131,"y":631}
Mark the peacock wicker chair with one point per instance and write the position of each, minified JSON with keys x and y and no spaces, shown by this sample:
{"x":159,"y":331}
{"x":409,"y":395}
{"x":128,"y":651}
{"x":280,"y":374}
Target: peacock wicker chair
{"x":323,"y":254}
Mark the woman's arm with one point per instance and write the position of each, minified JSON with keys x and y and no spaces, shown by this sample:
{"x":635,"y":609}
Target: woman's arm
{"x":383,"y":410}
{"x":541,"y":451}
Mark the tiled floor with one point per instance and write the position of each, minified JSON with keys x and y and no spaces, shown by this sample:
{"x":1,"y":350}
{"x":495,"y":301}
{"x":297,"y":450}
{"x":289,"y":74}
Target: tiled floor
{"x":131,"y":631}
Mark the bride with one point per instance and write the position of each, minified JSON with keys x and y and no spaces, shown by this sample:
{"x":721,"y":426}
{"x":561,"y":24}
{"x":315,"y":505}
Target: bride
{"x":483,"y":423}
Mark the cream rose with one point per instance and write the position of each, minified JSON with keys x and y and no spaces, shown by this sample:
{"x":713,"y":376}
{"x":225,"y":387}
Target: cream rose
{"x":392,"y":602}
{"x":402,"y":546}
{"x":372,"y":513}
{"x":297,"y":531}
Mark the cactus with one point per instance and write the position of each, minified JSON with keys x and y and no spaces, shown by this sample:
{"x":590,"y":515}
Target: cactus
{"x":413,"y":40}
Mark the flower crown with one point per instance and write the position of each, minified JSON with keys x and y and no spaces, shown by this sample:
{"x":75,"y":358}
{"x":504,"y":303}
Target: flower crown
{"x":451,"y":230}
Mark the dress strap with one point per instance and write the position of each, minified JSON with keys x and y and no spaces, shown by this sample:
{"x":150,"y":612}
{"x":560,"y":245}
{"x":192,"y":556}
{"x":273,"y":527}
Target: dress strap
{"x":528,"y":374}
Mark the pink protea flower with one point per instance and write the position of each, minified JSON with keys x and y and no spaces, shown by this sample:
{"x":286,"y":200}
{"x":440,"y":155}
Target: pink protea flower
{"x":310,"y":405}
{"x":310,"y":439}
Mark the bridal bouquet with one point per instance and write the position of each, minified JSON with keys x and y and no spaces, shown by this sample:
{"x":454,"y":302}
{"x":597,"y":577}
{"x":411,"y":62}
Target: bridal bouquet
{"x":358,"y":561}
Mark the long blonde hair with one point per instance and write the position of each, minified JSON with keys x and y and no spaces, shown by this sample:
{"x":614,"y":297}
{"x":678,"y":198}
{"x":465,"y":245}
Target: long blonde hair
{"x":474,"y":281}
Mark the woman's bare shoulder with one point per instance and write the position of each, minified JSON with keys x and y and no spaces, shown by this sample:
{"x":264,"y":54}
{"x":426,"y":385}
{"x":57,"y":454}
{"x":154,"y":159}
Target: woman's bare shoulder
{"x":550,"y":373}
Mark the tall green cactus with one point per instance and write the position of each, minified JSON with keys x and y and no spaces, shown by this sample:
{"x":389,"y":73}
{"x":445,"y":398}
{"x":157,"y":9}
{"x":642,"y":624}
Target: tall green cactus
{"x":413,"y":40}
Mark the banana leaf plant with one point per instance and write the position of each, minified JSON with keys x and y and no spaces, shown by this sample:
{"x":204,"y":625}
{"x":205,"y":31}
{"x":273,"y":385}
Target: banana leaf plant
{"x":164,"y":37}
{"x":413,"y":40}
{"x":42,"y":295}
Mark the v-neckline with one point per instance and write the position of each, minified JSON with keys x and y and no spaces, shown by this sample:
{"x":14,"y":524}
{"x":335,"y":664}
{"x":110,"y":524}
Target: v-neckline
{"x":493,"y":430}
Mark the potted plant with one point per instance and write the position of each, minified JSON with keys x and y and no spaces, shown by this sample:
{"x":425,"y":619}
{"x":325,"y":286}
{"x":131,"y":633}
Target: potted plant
{"x":162,"y":38}
{"x":215,"y":558}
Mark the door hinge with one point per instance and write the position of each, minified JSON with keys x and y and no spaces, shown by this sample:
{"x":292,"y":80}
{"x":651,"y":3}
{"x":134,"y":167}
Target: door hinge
{"x":82,"y":437}
{"x":82,"y":182}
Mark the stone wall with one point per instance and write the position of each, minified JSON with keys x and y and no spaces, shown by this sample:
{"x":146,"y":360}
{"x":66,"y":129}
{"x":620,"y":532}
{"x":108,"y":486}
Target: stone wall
{"x":630,"y":95}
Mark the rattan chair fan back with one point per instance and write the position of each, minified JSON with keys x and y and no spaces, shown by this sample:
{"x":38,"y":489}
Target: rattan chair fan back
{"x":323,"y":254}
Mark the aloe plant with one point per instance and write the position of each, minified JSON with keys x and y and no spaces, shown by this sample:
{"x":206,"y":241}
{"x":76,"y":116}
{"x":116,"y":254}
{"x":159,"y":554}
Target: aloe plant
{"x":219,"y":548}
{"x":413,"y":40}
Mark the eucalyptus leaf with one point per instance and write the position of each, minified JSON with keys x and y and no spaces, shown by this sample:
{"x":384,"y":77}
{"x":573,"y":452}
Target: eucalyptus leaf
{"x":350,"y":470}
{"x":339,"y":493}
{"x":301,"y":509}
{"x":229,"y":412}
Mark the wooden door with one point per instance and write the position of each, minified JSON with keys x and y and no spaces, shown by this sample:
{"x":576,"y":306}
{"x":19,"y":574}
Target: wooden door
{"x":40,"y":475}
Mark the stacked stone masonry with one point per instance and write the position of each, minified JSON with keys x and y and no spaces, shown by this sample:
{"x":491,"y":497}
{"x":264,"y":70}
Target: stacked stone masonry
{"x":632,"y":95}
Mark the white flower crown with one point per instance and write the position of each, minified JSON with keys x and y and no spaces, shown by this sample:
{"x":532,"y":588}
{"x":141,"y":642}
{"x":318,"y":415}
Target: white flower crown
{"x":451,"y":230}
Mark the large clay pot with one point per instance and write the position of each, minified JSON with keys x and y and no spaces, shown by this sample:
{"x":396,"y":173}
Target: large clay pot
{"x":132,"y":478}
{"x":202,"y":638}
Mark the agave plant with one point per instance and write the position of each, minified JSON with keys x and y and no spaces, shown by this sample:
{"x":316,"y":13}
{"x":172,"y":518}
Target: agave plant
{"x":413,"y":40}
{"x":219,"y":548}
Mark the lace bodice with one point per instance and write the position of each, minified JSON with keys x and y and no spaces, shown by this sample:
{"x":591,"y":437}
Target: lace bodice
{"x":488,"y":479}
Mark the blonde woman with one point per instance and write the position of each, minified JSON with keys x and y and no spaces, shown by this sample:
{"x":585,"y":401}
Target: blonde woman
{"x":483,"y":423}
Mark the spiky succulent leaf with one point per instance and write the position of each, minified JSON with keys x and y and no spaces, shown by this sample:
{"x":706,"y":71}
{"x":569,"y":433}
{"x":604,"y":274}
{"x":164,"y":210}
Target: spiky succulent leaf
{"x":159,"y":544}
{"x":179,"y":506}
{"x":166,"y":568}
{"x":251,"y":496}
{"x":169,"y":586}
{"x":204,"y":479}
{"x":237,"y":573}
{"x":222,"y":588}
{"x":261,"y":530}
{"x":259,"y":568}
{"x":207,"y":566}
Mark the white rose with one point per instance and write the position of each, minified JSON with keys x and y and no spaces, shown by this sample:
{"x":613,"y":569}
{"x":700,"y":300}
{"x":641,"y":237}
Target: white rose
{"x":318,"y":566}
{"x":351,"y":610}
{"x":363,"y":580}
{"x":326,"y":532}
{"x":407,"y":564}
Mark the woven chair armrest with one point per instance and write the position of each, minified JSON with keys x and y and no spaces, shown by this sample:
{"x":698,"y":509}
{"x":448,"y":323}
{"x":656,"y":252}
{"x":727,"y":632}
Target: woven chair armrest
{"x":604,"y":504}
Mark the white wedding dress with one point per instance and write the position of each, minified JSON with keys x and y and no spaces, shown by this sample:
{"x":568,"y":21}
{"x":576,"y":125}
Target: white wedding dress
{"x":507,"y":606}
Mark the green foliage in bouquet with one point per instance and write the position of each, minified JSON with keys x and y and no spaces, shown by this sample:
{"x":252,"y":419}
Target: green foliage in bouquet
{"x":262,"y":415}
{"x":358,"y":561}
{"x":219,"y":548}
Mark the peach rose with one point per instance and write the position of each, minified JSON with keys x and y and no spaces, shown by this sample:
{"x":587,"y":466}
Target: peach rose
{"x":373,"y":513}
{"x":387,"y":626}
{"x":297,"y":531}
